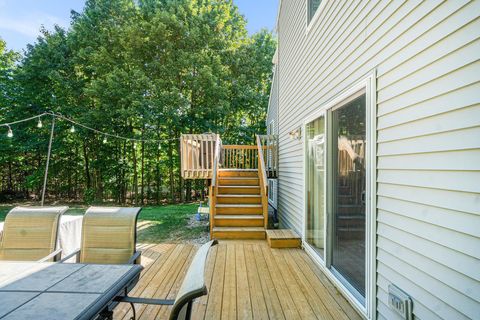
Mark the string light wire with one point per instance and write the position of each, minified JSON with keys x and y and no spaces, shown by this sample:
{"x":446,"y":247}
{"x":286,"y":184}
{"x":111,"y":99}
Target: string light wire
{"x":75,"y":123}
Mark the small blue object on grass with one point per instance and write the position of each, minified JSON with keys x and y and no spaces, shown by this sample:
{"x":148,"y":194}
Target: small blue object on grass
{"x":202,"y":210}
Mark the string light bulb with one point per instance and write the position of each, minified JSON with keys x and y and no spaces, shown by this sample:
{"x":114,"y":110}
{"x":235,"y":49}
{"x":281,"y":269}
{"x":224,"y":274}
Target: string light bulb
{"x":39,"y":124}
{"x":10,"y":132}
{"x":159,"y":146}
{"x":105,"y":139}
{"x":72,"y":129}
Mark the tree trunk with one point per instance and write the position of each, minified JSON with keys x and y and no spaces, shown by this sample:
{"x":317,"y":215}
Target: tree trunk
{"x":135,"y":175}
{"x":142,"y":193}
{"x":170,"y":171}
{"x":87,"y":165}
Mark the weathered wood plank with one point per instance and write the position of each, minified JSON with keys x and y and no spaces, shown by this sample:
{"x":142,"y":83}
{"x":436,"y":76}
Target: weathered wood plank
{"x":214,"y":306}
{"x":244,"y":305}
{"x":259,"y":308}
{"x":163,"y":289}
{"x":303,"y":307}
{"x":200,"y":306}
{"x":158,"y":277}
{"x":326,"y":284}
{"x":245,"y":280}
{"x":288,"y":306}
{"x":229,"y":306}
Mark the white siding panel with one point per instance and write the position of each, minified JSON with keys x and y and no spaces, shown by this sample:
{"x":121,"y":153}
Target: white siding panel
{"x":433,"y":161}
{"x":453,"y":200}
{"x":452,"y":100}
{"x":459,"y":119}
{"x":454,"y":220}
{"x":446,"y":141}
{"x":440,"y":179}
{"x":464,"y":76}
{"x":456,"y":281}
{"x":442,"y":299}
{"x":426,"y":54}
{"x":461,"y":263}
{"x":428,"y":307}
{"x":460,"y":242}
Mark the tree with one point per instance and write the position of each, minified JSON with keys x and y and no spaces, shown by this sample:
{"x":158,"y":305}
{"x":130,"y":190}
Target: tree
{"x":147,"y":69}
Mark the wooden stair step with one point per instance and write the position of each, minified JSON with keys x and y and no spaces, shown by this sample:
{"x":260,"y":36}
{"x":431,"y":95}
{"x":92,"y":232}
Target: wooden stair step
{"x":239,"y":209}
{"x":283,"y":238}
{"x":239,"y":233}
{"x":239,"y":220}
{"x":238,"y":181}
{"x":238,"y":190}
{"x":239,"y":198}
{"x":238,"y":173}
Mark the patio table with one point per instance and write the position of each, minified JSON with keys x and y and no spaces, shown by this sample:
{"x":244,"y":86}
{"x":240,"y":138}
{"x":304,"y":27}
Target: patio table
{"x":30,"y":290}
{"x":69,"y":234}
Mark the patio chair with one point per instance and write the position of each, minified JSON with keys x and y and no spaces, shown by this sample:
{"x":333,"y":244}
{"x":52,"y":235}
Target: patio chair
{"x":30,"y":234}
{"x":108,"y":236}
{"x":193,"y":286}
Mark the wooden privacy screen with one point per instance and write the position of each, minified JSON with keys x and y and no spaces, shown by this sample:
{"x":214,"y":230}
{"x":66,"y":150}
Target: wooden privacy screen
{"x":197,"y":155}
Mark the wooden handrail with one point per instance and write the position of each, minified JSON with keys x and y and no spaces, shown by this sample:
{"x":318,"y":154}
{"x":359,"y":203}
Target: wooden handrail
{"x":262,"y":175}
{"x":216,"y":160}
{"x":270,"y":149}
{"x":237,"y":146}
{"x":213,"y":190}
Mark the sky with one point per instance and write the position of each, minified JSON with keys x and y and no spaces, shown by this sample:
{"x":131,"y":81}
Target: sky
{"x":20,"y":20}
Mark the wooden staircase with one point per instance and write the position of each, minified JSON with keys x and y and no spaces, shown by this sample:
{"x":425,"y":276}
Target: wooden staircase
{"x":237,"y":174}
{"x":240,"y":209}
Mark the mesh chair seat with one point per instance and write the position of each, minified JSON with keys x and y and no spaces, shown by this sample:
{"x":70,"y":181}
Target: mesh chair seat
{"x":30,"y":233}
{"x":108,"y":235}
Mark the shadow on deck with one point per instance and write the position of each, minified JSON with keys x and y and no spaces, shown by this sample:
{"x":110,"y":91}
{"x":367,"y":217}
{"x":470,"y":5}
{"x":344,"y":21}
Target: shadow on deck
{"x":247,"y":280}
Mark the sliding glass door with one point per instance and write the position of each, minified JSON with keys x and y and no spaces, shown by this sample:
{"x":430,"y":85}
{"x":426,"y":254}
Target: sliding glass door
{"x":315,"y":184}
{"x":348,"y":192}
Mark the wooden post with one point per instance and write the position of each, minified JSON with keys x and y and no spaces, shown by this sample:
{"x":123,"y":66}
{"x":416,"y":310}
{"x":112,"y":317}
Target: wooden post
{"x":45,"y":178}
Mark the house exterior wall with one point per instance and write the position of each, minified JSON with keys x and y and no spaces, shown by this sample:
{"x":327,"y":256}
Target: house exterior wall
{"x":426,"y":56}
{"x":272,"y":115}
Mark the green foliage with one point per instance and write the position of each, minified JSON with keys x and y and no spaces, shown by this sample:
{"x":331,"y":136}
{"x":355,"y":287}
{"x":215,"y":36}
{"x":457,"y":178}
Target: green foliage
{"x":150,"y":69}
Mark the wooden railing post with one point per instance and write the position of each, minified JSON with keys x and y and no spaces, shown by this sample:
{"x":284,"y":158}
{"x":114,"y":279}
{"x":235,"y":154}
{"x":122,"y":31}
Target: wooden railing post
{"x":214,"y":185}
{"x":263,"y":181}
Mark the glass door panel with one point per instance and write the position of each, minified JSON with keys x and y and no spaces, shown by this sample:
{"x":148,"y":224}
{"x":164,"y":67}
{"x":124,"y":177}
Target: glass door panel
{"x":348,"y":191}
{"x":315,"y":184}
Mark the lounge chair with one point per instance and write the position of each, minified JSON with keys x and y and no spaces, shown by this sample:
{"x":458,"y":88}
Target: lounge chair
{"x":108,"y":236}
{"x":30,"y":234}
{"x":193,"y":286}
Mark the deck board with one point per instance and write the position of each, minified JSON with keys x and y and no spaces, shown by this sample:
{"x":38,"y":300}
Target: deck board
{"x":245,"y":280}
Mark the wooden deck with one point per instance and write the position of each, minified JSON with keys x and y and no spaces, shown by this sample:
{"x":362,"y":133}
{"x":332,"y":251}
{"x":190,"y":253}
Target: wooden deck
{"x":246,"y":280}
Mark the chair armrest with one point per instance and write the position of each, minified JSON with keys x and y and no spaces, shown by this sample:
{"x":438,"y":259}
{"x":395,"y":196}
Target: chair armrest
{"x":54,"y":254}
{"x":134,"y":257}
{"x":74,"y":253}
{"x":159,"y":302}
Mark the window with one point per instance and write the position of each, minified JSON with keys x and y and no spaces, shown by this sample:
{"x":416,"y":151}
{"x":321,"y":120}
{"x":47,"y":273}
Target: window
{"x":348,"y":134}
{"x":271,"y":191}
{"x":270,"y":129}
{"x":339,"y":193}
{"x":312,"y":6}
{"x":315,"y":184}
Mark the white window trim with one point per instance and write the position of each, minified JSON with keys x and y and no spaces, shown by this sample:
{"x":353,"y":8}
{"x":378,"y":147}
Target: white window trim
{"x":369,"y":85}
{"x":272,"y":188}
{"x":312,"y":22}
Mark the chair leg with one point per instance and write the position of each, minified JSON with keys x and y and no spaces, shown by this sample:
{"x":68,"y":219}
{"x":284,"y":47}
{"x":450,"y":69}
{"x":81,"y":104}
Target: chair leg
{"x":189,"y":311}
{"x":134,"y":316}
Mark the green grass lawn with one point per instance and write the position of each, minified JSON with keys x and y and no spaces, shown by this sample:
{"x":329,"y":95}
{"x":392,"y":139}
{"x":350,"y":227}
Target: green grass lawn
{"x":168,"y":223}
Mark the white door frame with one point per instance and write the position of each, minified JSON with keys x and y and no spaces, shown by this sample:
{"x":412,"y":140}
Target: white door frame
{"x":369,"y":85}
